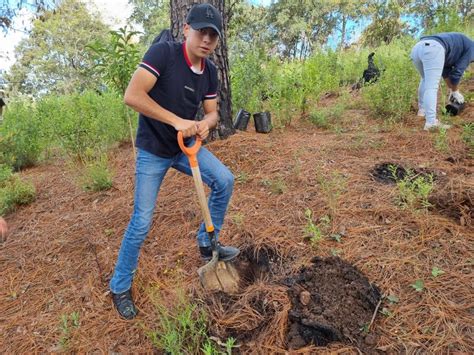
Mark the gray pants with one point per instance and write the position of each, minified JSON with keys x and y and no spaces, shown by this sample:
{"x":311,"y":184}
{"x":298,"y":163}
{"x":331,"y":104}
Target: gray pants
{"x":428,"y":57}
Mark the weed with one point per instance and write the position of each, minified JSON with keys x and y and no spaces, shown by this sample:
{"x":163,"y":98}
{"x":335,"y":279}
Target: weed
{"x":96,"y":175}
{"x":435,"y":272}
{"x":467,"y":136}
{"x":332,"y":188}
{"x":14,"y":192}
{"x":315,"y":232}
{"x":419,"y":285}
{"x":181,"y":328}
{"x":238,"y":219}
{"x":335,"y":251}
{"x":392,"y":299}
{"x":414,"y":190}
{"x":65,"y":327}
{"x":441,"y":141}
{"x":242,"y":177}
{"x":277,"y":187}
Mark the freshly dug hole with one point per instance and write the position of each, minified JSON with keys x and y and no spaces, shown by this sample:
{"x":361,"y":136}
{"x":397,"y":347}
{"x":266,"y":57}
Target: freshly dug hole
{"x":331,"y":301}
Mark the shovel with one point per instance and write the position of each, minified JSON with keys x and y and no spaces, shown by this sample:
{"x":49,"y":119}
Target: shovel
{"x":215,"y":275}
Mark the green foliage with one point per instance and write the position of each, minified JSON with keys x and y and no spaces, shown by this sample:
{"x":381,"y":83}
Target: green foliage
{"x":181,"y":328}
{"x":117,"y":59}
{"x":467,"y":136}
{"x":83,"y":125}
{"x":327,"y":117}
{"x":20,"y":136}
{"x":315,"y":232}
{"x":436,"y":271}
{"x":441,"y":140}
{"x":248,"y":81}
{"x":55,"y":57}
{"x":152,"y":15}
{"x":67,"y":321}
{"x":96,"y":175}
{"x":277,"y":187}
{"x":391,"y":96}
{"x":445,"y":16}
{"x":333,"y":187}
{"x":419,"y":285}
{"x":13,"y":191}
{"x":414,"y":190}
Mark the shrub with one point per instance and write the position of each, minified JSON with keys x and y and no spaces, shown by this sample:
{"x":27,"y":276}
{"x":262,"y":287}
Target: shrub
{"x":13,"y":191}
{"x":391,"y":97}
{"x":20,"y":136}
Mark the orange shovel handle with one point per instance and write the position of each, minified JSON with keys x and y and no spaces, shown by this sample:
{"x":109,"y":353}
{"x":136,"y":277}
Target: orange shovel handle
{"x":191,"y":152}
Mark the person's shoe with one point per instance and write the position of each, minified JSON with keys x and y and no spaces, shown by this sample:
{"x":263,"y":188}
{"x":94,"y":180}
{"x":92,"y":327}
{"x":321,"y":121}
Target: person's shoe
{"x":421,"y":113}
{"x":436,"y":125}
{"x":225,"y":253}
{"x":124,"y":304}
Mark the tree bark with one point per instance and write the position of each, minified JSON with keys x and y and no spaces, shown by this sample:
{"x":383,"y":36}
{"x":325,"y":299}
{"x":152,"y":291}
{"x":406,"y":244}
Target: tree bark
{"x":178,"y":12}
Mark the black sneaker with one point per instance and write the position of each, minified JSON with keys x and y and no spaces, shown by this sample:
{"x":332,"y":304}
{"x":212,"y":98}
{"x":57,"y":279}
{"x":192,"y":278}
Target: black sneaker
{"x":124,"y":304}
{"x":225,"y":253}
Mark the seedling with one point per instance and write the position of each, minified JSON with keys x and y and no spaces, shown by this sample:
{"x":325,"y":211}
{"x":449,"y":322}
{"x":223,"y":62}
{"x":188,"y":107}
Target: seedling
{"x":242,"y":177}
{"x":392,"y":299}
{"x":386,"y":312}
{"x":419,"y":285}
{"x":436,"y":271}
{"x":335,"y":252}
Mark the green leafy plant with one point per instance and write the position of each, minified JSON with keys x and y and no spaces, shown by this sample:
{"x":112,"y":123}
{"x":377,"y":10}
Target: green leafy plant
{"x":467,"y":136}
{"x":392,"y":299}
{"x":315,"y":232}
{"x":181,"y":328}
{"x":14,"y":192}
{"x":117,"y":59}
{"x":242,"y":177}
{"x":414,"y":190}
{"x":419,"y":285}
{"x":96,"y":175}
{"x":435,"y":272}
{"x":333,"y":186}
{"x":67,"y":321}
{"x":441,"y":141}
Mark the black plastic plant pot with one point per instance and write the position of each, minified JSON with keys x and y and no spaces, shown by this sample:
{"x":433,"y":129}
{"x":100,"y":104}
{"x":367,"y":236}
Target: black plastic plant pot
{"x":453,"y":108}
{"x":242,"y":120}
{"x":263,"y":122}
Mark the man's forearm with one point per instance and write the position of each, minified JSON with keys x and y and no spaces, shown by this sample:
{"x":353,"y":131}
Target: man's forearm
{"x":212,"y":118}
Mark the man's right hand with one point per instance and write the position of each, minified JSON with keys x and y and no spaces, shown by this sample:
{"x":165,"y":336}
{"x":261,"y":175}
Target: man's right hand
{"x":456,"y":97}
{"x":189,"y":128}
{"x":3,"y":230}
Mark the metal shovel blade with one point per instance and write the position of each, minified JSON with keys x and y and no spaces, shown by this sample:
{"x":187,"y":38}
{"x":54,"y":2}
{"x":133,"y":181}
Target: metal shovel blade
{"x":219,"y":276}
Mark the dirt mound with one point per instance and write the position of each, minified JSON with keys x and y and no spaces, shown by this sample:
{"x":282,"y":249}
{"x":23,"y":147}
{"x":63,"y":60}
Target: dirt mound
{"x":390,"y":173}
{"x":331,"y":301}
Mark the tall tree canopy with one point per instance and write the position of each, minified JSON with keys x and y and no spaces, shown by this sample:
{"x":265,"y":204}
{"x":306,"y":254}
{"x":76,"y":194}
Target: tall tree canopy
{"x":55,"y":57}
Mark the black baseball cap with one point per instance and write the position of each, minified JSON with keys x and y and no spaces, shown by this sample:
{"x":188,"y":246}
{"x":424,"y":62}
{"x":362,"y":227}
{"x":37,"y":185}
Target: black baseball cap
{"x":203,"y":16}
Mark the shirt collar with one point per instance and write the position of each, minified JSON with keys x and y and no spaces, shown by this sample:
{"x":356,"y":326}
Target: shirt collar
{"x":190,"y":65}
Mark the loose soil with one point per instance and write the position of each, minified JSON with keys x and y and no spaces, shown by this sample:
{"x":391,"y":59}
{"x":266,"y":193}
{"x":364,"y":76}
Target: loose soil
{"x":62,"y":248}
{"x":331,"y":301}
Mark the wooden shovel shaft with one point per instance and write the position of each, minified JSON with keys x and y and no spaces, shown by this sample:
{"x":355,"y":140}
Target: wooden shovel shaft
{"x":202,"y":199}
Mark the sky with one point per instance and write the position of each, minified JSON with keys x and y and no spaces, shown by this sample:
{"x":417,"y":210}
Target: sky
{"x":114,"y":13}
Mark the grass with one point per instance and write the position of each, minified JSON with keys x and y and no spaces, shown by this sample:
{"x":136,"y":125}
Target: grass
{"x":14,"y":192}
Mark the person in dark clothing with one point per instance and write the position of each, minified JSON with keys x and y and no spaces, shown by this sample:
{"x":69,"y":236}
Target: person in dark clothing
{"x":444,"y":55}
{"x":171,"y":82}
{"x":372,"y":73}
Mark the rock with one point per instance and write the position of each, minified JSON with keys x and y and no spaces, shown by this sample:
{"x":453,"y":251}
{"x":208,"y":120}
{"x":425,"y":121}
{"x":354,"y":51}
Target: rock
{"x":305,"y":297}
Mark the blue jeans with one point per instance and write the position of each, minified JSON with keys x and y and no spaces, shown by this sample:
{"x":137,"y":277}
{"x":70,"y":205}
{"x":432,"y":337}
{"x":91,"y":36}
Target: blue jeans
{"x":150,"y":171}
{"x":428,"y":57}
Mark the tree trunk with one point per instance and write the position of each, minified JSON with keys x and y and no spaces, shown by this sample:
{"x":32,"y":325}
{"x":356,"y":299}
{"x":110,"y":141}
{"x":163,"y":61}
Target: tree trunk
{"x":179,"y":10}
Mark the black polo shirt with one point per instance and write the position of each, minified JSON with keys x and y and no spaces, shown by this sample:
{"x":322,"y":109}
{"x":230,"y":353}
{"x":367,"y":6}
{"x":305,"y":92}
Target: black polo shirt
{"x":180,"y":88}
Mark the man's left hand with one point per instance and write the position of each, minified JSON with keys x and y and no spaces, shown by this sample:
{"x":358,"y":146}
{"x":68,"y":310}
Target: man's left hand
{"x":202,"y":129}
